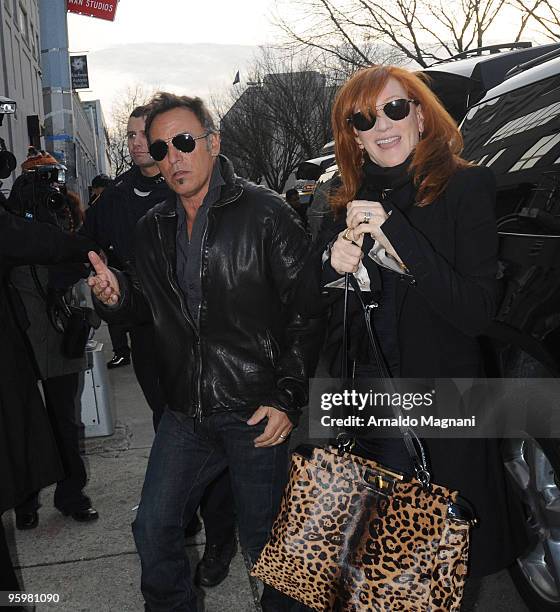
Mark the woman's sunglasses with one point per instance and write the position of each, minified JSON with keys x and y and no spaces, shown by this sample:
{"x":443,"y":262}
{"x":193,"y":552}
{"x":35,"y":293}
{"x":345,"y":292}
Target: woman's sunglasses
{"x":395,"y":110}
{"x":182,"y":142}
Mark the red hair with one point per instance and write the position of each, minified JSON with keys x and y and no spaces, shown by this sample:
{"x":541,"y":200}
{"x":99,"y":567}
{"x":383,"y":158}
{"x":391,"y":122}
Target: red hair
{"x":436,"y":156}
{"x":75,"y":209}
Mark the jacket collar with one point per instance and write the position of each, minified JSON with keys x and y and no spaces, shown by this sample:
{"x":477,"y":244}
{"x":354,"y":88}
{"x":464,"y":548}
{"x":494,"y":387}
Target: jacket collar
{"x":230,"y":192}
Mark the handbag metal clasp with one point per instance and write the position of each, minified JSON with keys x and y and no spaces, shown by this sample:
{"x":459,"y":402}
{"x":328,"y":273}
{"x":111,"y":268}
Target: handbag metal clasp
{"x":378,"y":481}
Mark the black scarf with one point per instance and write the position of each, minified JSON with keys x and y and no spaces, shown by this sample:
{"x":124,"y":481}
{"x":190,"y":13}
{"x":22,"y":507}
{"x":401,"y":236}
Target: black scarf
{"x":378,"y":179}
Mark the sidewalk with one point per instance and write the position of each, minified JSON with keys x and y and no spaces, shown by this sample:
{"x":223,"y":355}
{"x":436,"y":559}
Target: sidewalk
{"x":94,"y":567}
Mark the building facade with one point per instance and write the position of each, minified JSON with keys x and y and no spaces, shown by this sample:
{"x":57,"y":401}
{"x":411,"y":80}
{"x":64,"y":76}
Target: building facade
{"x":93,"y":110}
{"x":69,"y":135}
{"x":35,"y":73}
{"x":20,"y":77}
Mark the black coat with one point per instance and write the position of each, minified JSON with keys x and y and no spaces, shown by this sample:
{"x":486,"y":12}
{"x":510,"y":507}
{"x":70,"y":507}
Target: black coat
{"x":28,"y":455}
{"x":248,"y":349}
{"x":450,"y":248}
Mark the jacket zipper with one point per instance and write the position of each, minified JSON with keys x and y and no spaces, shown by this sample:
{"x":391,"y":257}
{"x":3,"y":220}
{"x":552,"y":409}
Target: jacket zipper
{"x":269,"y":349}
{"x":199,"y":382}
{"x":198,"y":410}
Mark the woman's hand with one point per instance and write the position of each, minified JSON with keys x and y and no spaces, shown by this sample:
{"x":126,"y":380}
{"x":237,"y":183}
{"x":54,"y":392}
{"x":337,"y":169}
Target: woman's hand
{"x":365,"y":217}
{"x":346,"y":252}
{"x":366,"y":213}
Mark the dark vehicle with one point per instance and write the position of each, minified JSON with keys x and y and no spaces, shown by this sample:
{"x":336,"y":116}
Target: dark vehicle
{"x":515,"y":130}
{"x":310,"y":170}
{"x":510,"y":106}
{"x":464,"y":79}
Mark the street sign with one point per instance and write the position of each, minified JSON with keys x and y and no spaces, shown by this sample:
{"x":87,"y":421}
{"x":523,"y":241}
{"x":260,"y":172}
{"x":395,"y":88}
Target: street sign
{"x":101,"y":9}
{"x":79,"y":72}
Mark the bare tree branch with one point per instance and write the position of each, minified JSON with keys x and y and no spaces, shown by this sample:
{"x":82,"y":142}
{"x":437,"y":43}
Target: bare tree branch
{"x":423,"y":31}
{"x":280,"y":119}
{"x":131,"y":97}
{"x":544,"y":13}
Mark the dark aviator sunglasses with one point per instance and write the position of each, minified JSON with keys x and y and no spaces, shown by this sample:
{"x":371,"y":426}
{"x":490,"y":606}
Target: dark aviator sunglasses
{"x":395,"y":110}
{"x":182,"y":142}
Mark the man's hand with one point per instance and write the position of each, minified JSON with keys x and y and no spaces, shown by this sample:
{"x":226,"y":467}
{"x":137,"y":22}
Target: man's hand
{"x":104,"y":284}
{"x":277,"y":429}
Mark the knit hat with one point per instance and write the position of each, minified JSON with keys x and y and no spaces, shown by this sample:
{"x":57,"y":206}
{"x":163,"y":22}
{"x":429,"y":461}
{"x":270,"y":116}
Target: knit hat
{"x":36,"y":159}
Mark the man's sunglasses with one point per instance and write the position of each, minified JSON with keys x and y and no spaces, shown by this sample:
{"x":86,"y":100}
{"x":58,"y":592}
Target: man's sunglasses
{"x":395,"y":110}
{"x":182,"y":142}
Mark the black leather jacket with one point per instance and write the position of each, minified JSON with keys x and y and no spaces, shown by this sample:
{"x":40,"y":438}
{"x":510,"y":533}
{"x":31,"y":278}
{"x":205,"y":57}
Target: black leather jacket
{"x":249,"y":350}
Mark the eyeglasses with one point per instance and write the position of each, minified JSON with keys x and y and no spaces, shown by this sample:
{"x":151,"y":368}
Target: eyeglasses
{"x":182,"y":142}
{"x":395,"y":110}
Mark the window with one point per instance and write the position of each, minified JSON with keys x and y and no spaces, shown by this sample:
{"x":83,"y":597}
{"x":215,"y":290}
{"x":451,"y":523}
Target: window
{"x":516,"y":131}
{"x":23,"y":21}
{"x":536,"y":152}
{"x":527,"y":122}
{"x":495,"y":157}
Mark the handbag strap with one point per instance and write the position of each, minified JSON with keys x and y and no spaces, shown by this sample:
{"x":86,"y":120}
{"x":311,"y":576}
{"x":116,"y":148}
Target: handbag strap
{"x":412,"y":443}
{"x":344,"y":357}
{"x":43,"y":295}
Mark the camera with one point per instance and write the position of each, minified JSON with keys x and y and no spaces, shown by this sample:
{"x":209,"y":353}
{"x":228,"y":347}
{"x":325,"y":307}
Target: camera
{"x":40,"y":194}
{"x":7,"y":159}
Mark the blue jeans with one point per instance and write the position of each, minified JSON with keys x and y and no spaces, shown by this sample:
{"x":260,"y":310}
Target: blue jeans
{"x":185,"y":457}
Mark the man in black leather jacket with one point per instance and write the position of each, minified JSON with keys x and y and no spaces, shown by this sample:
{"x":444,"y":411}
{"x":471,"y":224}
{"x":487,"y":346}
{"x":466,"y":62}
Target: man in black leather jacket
{"x":111,"y":222}
{"x":217,"y":264}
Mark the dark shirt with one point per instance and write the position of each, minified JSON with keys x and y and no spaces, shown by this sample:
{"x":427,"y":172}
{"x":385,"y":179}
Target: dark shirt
{"x":189,"y":252}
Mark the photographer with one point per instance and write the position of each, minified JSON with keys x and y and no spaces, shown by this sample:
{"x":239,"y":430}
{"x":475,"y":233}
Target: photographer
{"x":29,"y":458}
{"x":47,"y":299}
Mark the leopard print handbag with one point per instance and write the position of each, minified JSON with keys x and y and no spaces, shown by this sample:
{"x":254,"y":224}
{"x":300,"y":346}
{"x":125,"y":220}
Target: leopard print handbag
{"x":352,"y":536}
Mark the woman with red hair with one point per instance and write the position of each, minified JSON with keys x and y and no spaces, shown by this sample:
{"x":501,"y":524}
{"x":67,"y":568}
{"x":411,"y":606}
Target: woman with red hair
{"x":414,"y":222}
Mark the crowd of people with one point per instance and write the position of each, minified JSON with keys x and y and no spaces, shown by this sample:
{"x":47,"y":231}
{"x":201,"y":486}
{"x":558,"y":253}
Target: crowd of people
{"x":228,"y":307}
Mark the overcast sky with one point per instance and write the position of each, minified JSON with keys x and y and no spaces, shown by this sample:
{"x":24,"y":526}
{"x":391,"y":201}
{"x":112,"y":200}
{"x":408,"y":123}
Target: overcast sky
{"x":242,"y":22}
{"x":156,"y":43}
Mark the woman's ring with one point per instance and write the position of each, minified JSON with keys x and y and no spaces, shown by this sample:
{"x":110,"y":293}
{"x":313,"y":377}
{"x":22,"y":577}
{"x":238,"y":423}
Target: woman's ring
{"x":346,"y":236}
{"x":367,"y":216}
{"x":283,"y":436}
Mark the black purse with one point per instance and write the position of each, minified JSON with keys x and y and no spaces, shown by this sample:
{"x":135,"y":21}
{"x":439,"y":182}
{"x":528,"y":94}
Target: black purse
{"x":74,"y":323}
{"x":78,"y":323}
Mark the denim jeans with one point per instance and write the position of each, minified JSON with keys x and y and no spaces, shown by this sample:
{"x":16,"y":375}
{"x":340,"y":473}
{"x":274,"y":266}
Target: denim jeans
{"x":185,"y":457}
